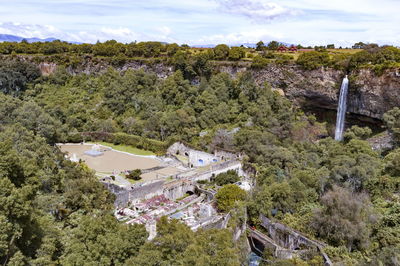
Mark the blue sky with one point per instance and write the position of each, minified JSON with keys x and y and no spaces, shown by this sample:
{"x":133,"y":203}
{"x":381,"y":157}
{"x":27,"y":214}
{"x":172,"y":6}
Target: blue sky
{"x":309,"y":22}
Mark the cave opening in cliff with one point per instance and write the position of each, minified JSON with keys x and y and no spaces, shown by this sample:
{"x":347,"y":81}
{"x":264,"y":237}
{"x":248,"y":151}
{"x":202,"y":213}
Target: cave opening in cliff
{"x":329,"y":116}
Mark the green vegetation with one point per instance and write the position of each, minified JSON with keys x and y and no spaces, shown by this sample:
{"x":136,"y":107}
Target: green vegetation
{"x":372,"y":56}
{"x":313,"y":60}
{"x":126,"y":148}
{"x":228,"y":195}
{"x":135,"y":174}
{"x":229,"y":177}
{"x":392,"y":121}
{"x":198,"y":62}
{"x":176,"y":244}
{"x":55,"y":212}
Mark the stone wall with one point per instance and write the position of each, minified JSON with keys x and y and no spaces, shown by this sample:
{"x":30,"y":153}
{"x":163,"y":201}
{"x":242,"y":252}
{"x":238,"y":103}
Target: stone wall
{"x":178,"y":189}
{"x":290,"y":239}
{"x":200,"y":158}
{"x":220,"y":168}
{"x":125,"y":195}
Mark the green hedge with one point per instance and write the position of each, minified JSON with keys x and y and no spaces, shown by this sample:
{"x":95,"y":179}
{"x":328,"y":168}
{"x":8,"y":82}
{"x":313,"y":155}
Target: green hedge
{"x":156,"y":146}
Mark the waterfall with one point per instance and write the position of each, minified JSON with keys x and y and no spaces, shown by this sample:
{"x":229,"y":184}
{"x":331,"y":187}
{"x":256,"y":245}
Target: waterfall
{"x":341,"y":113}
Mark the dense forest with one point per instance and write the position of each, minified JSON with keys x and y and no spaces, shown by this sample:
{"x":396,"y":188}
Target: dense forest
{"x":55,"y":212}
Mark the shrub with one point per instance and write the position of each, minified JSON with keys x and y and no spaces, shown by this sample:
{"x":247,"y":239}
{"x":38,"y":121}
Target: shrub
{"x":227,"y":178}
{"x":156,"y":146}
{"x":228,"y":195}
{"x":135,"y":174}
{"x":259,"y":62}
{"x":313,"y":60}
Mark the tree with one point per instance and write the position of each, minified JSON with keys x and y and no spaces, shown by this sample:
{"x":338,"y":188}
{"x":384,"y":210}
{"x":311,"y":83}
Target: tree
{"x":211,"y":247}
{"x":135,"y":174}
{"x":15,"y":75}
{"x":228,"y":177}
{"x":330,"y":46}
{"x":228,"y":195}
{"x":359,"y":45}
{"x":102,"y":241}
{"x":176,"y":90}
{"x":34,"y":118}
{"x":260,"y":46}
{"x":356,"y":132}
{"x":177,"y":244}
{"x":392,"y":163}
{"x":236,"y":53}
{"x":392,"y":122}
{"x":108,"y":48}
{"x":313,"y":60}
{"x":172,"y":49}
{"x":221,"y":51}
{"x":273,"y":45}
{"x":260,"y":62}
{"x":344,"y":219}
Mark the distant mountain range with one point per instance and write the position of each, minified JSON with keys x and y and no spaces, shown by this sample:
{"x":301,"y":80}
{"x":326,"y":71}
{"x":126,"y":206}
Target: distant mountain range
{"x":15,"y":38}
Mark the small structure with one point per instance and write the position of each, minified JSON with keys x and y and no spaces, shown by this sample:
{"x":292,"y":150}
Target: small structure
{"x":293,"y":49}
{"x":95,"y":151}
{"x":282,"y":49}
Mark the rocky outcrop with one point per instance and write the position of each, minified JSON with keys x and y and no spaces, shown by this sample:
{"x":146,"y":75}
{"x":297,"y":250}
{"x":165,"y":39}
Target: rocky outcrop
{"x":382,"y":142}
{"x":91,"y":65}
{"x":370,"y":94}
{"x":318,"y":88}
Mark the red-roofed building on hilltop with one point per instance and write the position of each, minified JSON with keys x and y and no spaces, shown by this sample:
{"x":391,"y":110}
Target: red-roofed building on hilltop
{"x":282,"y":49}
{"x":293,"y":49}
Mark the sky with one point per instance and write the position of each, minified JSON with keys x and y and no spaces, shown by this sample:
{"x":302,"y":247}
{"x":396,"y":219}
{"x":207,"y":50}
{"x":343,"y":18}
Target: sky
{"x":199,"y":22}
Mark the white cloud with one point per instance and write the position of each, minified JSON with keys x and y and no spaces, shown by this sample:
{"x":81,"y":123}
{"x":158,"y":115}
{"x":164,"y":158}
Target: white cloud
{"x":29,"y":30}
{"x":257,"y":10}
{"x":342,"y":22}
{"x":165,"y":31}
{"x":121,"y":34}
{"x":248,"y":36}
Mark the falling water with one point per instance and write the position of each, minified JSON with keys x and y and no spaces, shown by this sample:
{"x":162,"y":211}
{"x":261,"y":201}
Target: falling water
{"x":341,"y":109}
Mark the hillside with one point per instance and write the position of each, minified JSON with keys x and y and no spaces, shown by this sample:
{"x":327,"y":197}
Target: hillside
{"x":270,"y":110}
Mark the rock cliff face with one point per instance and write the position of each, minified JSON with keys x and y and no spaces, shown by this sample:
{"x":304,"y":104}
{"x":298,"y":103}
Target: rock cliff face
{"x":311,"y":89}
{"x":90,"y":65}
{"x":370,"y":95}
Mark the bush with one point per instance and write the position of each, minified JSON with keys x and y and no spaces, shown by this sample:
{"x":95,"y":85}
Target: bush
{"x":221,"y":51}
{"x":139,"y":142}
{"x":228,"y":195}
{"x":229,"y":177}
{"x":313,"y":60}
{"x":259,"y":62}
{"x":392,"y":123}
{"x":135,"y":174}
{"x":237,"y":53}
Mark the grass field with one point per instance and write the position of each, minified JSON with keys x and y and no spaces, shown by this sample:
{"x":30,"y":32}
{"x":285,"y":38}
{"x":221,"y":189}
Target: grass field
{"x":126,"y":148}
